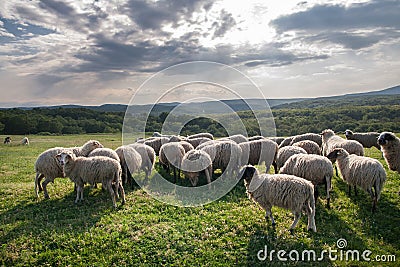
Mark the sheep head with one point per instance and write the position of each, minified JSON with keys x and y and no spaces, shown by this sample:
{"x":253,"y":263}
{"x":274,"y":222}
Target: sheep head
{"x":386,"y":137}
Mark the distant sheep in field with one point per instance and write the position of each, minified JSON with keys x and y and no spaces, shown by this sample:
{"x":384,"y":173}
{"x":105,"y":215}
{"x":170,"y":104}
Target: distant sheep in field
{"x":130,"y":161}
{"x":7,"y":140}
{"x":98,"y":169}
{"x":364,"y":172}
{"x":225,"y":155}
{"x":156,"y":143}
{"x":47,"y":166}
{"x":281,"y":190}
{"x":285,"y":153}
{"x":25,"y":141}
{"x":314,"y":168}
{"x":148,"y":158}
{"x":330,"y":141}
{"x":368,"y":140}
{"x":171,"y":155}
{"x":309,"y":146}
{"x":195,"y":161}
{"x":206,"y":135}
{"x":307,"y":136}
{"x":237,"y":138}
{"x":258,"y":151}
{"x":390,"y":146}
{"x":195,"y":142}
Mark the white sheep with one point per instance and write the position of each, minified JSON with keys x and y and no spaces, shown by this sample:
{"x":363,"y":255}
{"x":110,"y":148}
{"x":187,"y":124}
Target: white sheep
{"x":195,"y":161}
{"x":225,"y":155}
{"x":207,"y":143}
{"x":307,"y":136}
{"x":257,"y":151}
{"x":199,"y":135}
{"x":281,"y":190}
{"x":237,"y":138}
{"x":285,"y":153}
{"x":390,"y":146}
{"x":98,"y":169}
{"x":106,"y":152}
{"x":309,"y":146}
{"x":47,"y":166}
{"x":364,"y":172}
{"x":314,"y":168}
{"x":156,"y":143}
{"x":186,"y":145}
{"x":195,"y":142}
{"x":148,"y":158}
{"x":130,"y":161}
{"x":277,"y":140}
{"x":177,"y":138}
{"x":330,"y":141}
{"x":25,"y":141}
{"x":366,"y":139}
{"x":171,"y":155}
{"x":286,"y":141}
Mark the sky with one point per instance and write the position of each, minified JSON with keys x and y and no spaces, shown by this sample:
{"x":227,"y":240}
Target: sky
{"x":96,"y":52}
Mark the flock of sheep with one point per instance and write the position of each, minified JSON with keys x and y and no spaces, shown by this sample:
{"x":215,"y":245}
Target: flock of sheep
{"x":301,"y":164}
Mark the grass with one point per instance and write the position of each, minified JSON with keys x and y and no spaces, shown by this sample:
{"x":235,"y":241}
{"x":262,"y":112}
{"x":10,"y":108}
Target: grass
{"x":229,"y":231}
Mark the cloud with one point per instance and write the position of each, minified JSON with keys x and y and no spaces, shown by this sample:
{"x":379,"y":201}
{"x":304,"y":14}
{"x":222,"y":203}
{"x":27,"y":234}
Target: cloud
{"x":223,"y":24}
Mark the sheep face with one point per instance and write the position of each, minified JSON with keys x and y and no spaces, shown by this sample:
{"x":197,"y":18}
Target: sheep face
{"x":348,"y":133}
{"x":386,"y":137}
{"x":96,"y":144}
{"x":64,"y":157}
{"x":337,"y":153}
{"x":247,"y":173}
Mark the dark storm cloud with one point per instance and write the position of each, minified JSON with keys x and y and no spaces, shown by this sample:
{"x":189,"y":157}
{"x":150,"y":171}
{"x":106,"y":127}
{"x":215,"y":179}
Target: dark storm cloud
{"x":342,"y":25}
{"x":225,"y":23}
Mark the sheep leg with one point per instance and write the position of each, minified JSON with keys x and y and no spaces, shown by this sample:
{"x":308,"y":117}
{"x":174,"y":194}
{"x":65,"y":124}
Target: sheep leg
{"x":355,"y":190}
{"x":44,"y":184}
{"x":297,"y":216}
{"x":121,"y":188}
{"x":79,"y":196}
{"x":38,"y":186}
{"x":208,"y":172}
{"x":174,"y":169}
{"x":275,"y":167}
{"x":374,"y":198}
{"x":349,"y":190}
{"x":328,"y":186}
{"x":112,"y":193}
{"x":268,"y":214}
{"x":311,"y":219}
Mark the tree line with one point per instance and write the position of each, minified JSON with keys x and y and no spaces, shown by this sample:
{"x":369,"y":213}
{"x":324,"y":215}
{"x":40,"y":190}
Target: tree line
{"x":288,"y":121}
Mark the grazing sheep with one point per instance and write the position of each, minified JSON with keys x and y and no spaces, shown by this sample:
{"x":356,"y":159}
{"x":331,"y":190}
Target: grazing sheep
{"x":307,"y":136}
{"x":207,"y":143}
{"x":277,"y":140}
{"x":25,"y":141}
{"x":282,"y":190}
{"x":106,"y":152}
{"x":390,"y":146}
{"x":195,"y":142}
{"x":364,"y":172}
{"x":7,"y":140}
{"x":186,"y":145}
{"x":330,"y":141}
{"x":237,"y":138}
{"x":130,"y":160}
{"x":171,"y":155}
{"x":206,"y":135}
{"x":286,"y":141}
{"x":156,"y":143}
{"x":256,"y":137}
{"x":148,"y":158}
{"x":47,"y":166}
{"x":366,"y":139}
{"x":314,"y":168}
{"x":98,"y":169}
{"x":195,"y":161}
{"x":258,"y":151}
{"x":309,"y":146}
{"x":285,"y":153}
{"x":176,"y":138}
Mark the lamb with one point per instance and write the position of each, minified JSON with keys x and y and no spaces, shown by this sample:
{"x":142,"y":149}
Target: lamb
{"x":307,"y":136}
{"x":195,"y":161}
{"x":199,"y":135}
{"x":330,"y":141}
{"x":130,"y":161}
{"x":7,"y":140}
{"x":97,"y":169}
{"x":285,"y":153}
{"x":309,"y":146}
{"x":366,"y":139}
{"x":171,"y":155}
{"x":47,"y":166}
{"x":314,"y":168}
{"x":364,"y":172}
{"x":156,"y":143}
{"x":186,"y":145}
{"x":148,"y":158}
{"x":390,"y":146}
{"x":25,"y":141}
{"x":282,"y":190}
{"x":195,"y":142}
{"x":237,"y":138}
{"x":225,"y":155}
{"x":258,"y":151}
{"x":106,"y":152}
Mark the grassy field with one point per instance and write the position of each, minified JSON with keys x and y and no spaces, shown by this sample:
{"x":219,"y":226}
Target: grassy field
{"x":145,"y":232}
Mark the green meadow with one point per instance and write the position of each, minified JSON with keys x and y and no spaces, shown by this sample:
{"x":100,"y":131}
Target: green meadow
{"x":145,"y":232}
